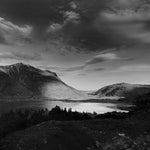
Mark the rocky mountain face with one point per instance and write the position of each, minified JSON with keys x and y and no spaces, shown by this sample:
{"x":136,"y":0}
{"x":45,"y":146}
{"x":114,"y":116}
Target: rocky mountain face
{"x":20,"y":81}
{"x":123,"y":90}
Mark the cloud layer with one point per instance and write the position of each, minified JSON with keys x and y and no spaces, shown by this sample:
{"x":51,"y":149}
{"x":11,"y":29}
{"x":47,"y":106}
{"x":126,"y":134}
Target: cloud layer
{"x":14,"y":34}
{"x":75,"y":24}
{"x":20,"y":56}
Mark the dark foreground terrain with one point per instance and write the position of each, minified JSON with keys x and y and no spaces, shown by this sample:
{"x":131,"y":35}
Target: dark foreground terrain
{"x":65,"y":130}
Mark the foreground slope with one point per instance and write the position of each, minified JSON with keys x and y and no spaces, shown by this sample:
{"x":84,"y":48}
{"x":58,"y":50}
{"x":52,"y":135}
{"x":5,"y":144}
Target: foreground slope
{"x":100,"y":134}
{"x":20,"y":81}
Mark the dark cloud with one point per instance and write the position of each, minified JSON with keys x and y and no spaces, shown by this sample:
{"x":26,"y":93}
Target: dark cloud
{"x":41,"y":13}
{"x":88,"y":33}
{"x":94,"y":31}
{"x":37,"y":13}
{"x":81,"y":24}
{"x":34,"y":12}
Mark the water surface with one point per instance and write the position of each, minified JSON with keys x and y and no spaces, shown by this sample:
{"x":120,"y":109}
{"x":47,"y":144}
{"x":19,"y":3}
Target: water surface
{"x":75,"y":106}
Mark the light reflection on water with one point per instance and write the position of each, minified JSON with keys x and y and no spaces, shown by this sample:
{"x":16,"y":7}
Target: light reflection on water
{"x":84,"y":107}
{"x":75,"y":106}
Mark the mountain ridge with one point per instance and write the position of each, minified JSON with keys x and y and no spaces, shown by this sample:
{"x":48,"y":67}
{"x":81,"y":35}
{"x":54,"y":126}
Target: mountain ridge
{"x":23,"y":81}
{"x":123,"y":89}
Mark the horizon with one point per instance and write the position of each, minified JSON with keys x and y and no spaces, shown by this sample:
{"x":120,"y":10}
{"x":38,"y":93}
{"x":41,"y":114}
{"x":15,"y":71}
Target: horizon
{"x":88,"y":45}
{"x":88,"y":90}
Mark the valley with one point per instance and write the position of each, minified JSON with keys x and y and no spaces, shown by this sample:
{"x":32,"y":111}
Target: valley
{"x":38,"y":108}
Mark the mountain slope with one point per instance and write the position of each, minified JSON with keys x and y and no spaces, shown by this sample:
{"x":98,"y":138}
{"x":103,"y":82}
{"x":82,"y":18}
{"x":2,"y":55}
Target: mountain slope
{"x":123,"y":90}
{"x":20,"y":81}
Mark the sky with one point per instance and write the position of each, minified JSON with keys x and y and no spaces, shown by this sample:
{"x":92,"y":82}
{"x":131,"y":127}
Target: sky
{"x":89,"y":44}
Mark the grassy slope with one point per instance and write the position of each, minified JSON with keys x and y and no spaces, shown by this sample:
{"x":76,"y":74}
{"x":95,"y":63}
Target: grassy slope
{"x":101,"y":134}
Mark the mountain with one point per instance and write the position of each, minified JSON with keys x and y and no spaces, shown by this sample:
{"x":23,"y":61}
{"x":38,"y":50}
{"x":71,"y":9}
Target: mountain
{"x":123,"y":90}
{"x":21,"y":81}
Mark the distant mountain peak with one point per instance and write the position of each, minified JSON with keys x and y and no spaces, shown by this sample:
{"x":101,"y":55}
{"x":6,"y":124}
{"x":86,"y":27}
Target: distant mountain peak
{"x":23,"y":68}
{"x":20,"y":65}
{"x":15,"y":70}
{"x":17,"y":65}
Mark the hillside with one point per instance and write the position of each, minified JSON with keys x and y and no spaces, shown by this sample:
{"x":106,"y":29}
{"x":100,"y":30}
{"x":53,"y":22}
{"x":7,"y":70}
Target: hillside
{"x":100,"y":134}
{"x":20,"y":81}
{"x":123,"y":90}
